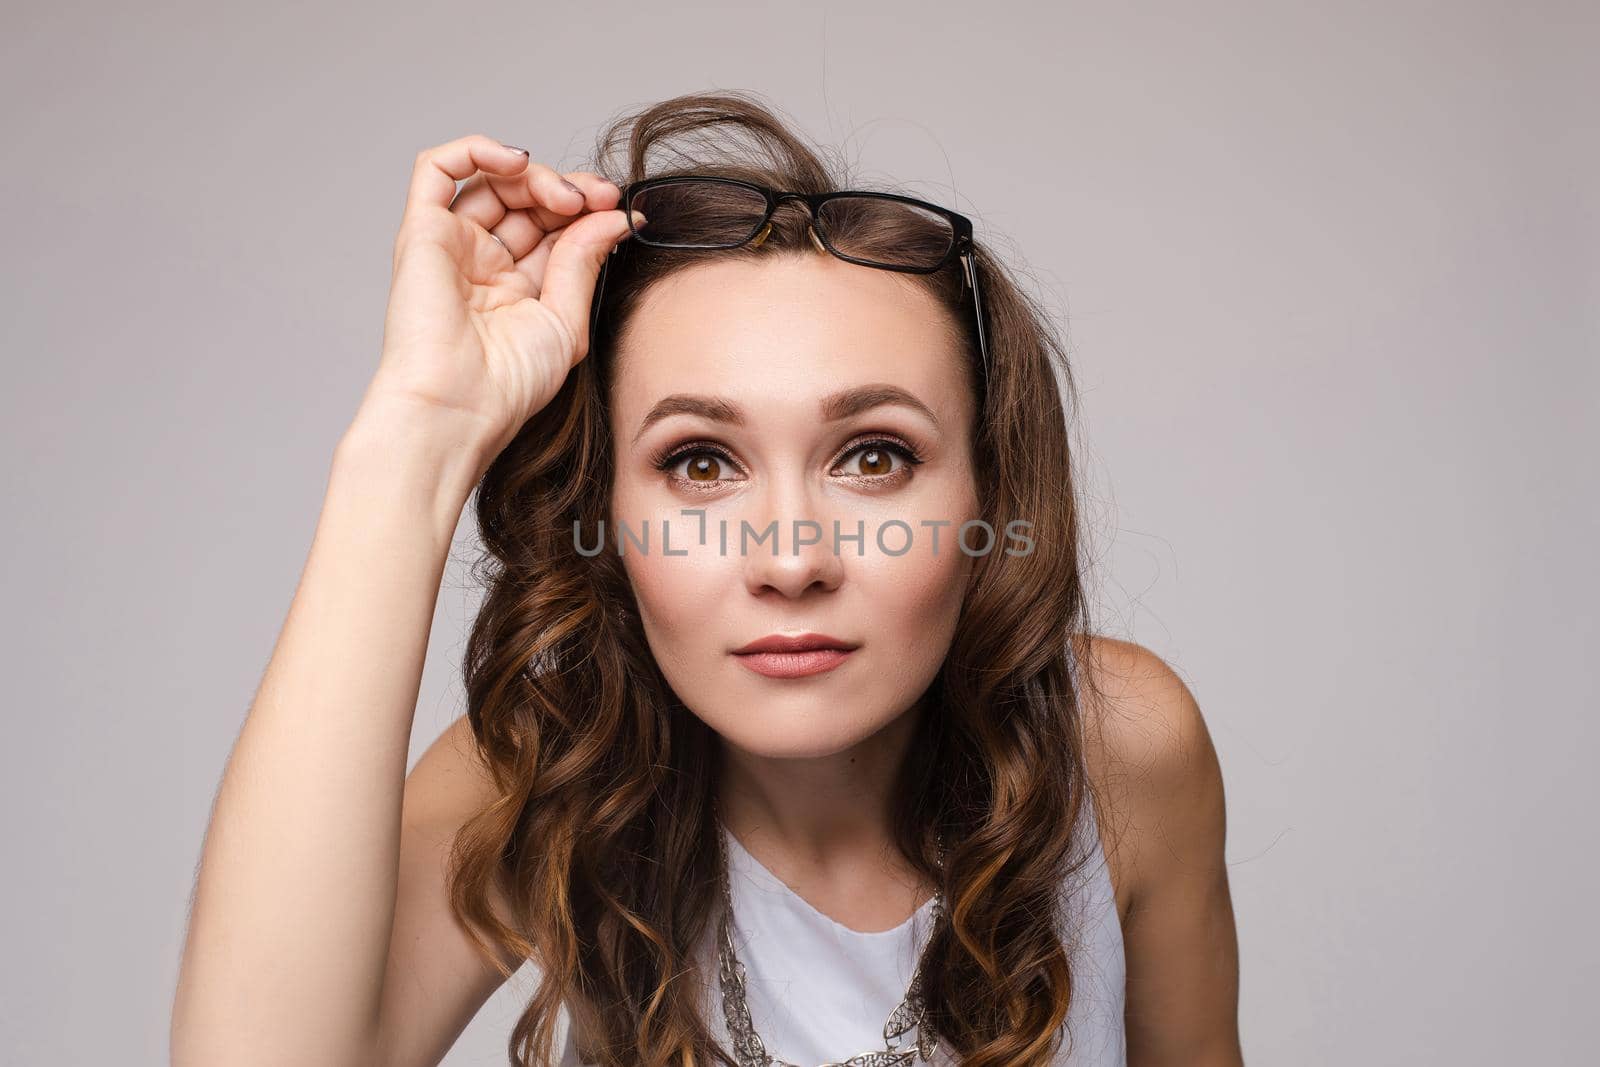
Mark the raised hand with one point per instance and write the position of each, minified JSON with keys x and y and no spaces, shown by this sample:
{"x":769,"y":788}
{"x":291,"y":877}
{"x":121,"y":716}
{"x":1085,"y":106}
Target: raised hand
{"x":490,"y":296}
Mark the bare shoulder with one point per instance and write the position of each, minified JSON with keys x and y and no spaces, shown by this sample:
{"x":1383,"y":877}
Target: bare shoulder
{"x":449,"y":782}
{"x":1151,"y":763}
{"x":449,"y":785}
{"x":436,"y":978}
{"x":1151,"y":760}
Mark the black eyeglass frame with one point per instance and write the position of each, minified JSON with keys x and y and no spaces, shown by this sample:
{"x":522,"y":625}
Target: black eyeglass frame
{"x":961,"y":245}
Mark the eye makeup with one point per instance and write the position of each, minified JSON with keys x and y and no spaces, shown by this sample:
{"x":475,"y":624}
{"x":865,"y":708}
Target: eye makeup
{"x":667,"y":459}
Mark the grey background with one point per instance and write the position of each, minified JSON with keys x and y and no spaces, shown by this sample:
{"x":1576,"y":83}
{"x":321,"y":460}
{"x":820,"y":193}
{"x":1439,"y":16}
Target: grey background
{"x":1329,"y":275}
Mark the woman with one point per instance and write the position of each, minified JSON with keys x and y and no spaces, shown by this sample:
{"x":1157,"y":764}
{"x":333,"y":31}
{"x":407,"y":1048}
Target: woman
{"x":734,"y":800}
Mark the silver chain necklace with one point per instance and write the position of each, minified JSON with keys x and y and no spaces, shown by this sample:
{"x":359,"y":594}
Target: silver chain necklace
{"x":752,"y":1051}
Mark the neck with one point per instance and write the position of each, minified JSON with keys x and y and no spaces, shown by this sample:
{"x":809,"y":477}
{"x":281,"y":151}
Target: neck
{"x":821,"y":812}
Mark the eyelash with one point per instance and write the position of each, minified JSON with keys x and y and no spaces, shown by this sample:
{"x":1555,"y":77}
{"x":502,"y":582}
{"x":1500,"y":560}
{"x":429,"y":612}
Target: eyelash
{"x":664,"y":461}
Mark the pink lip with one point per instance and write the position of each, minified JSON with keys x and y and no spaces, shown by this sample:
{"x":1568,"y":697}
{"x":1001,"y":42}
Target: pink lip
{"x":794,"y":664}
{"x":794,"y":656}
{"x":795,"y":643}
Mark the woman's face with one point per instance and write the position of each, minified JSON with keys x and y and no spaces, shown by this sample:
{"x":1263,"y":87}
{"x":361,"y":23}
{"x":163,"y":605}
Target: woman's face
{"x":755,"y":386}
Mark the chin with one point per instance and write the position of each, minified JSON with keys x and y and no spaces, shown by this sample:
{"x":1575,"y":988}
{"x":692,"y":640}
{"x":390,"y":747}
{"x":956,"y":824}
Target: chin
{"x":796,"y":744}
{"x":792,"y":729}
{"x":807,"y":718}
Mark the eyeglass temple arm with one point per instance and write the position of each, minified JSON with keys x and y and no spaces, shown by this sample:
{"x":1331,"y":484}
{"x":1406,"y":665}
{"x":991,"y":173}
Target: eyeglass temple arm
{"x":599,"y":291}
{"x":970,"y":273}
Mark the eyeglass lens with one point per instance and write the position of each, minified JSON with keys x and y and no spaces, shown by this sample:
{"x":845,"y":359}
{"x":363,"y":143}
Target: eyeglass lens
{"x":707,"y":214}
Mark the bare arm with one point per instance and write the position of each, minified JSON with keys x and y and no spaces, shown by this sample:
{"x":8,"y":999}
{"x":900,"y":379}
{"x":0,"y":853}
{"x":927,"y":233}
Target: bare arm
{"x":436,"y":978}
{"x":290,"y":929}
{"x":1179,"y":938}
{"x":319,"y":933}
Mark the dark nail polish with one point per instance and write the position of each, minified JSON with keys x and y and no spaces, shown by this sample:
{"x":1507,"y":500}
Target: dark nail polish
{"x":514,"y":148}
{"x":569,"y":185}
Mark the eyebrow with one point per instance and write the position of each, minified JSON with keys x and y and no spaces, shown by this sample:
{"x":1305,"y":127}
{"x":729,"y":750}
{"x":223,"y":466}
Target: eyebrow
{"x":834,"y":407}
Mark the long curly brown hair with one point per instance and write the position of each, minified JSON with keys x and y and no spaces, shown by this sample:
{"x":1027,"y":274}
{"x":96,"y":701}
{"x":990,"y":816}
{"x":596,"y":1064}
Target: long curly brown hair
{"x":601,"y":839}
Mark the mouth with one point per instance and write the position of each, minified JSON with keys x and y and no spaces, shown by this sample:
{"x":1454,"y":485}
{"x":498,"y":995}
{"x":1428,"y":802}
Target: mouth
{"x":797,"y":656}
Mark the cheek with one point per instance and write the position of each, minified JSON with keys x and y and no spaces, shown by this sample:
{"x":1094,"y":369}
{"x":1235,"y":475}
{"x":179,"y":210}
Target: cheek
{"x":915,"y":597}
{"x":920,"y":591}
{"x":676,"y":590}
{"x":681,"y":598}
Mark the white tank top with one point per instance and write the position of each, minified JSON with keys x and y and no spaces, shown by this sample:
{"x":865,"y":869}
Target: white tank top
{"x":819,"y":992}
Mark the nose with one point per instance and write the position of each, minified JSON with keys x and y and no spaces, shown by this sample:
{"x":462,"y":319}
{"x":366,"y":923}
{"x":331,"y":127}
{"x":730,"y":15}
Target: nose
{"x":794,"y":555}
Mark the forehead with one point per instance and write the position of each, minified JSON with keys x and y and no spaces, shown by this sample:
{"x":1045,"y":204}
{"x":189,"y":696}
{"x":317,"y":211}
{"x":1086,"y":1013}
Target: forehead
{"x":785,"y":330}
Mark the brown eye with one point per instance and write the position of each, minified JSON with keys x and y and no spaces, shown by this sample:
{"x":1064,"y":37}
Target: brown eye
{"x":700,"y":464}
{"x":704,"y":468}
{"x":875,"y":459}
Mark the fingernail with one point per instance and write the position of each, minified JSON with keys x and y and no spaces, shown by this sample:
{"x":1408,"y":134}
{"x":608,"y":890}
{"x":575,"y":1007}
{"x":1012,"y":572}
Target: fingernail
{"x":637,"y":218}
{"x":569,"y":185}
{"x":514,"y":148}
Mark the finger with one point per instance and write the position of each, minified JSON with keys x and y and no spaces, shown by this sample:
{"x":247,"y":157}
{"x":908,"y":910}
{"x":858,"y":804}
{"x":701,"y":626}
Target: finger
{"x":551,"y":199}
{"x":600,"y":194}
{"x":478,"y":201}
{"x":533,"y":264}
{"x":437,"y":169}
{"x":488,"y":258}
{"x":518,"y":233}
{"x":574,"y":266}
